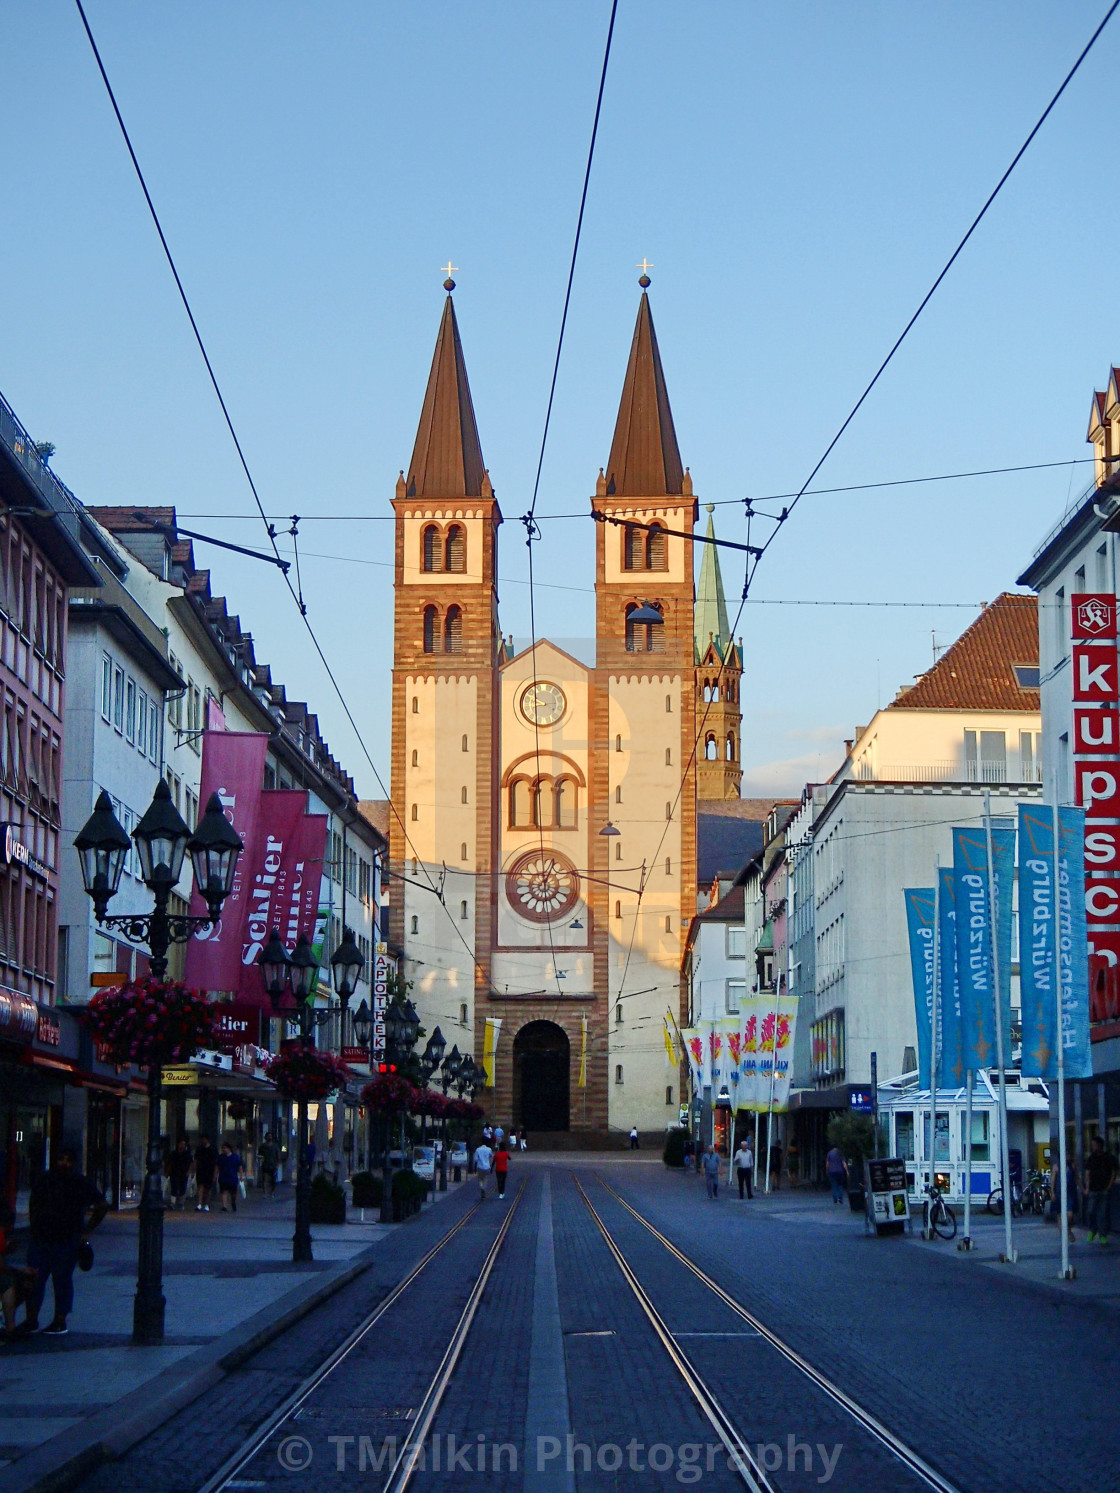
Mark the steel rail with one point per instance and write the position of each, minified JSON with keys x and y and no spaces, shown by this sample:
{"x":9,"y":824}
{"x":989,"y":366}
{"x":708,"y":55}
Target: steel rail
{"x":412,"y":1449}
{"x":248,"y":1450}
{"x":894,"y":1444}
{"x":741,"y":1457}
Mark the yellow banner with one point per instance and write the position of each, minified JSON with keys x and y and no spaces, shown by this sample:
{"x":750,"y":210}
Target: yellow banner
{"x":670,"y":1049}
{"x":490,"y":1048}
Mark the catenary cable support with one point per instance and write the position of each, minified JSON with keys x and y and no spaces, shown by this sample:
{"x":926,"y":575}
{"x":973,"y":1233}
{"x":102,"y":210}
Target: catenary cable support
{"x":296,"y":598}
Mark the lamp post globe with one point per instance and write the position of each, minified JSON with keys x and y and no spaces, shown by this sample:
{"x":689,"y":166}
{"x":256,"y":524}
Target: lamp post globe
{"x":394,"y":1029}
{"x":363,"y":1024}
{"x":102,"y":847}
{"x":161,"y":840}
{"x":411,"y":1025}
{"x":276,"y":968}
{"x":437,"y":1046}
{"x":214,"y":850}
{"x":346,"y":967}
{"x":304,"y":969}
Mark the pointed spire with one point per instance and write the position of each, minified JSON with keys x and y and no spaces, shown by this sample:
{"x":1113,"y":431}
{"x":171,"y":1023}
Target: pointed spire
{"x":645,"y":461}
{"x":447,"y":458}
{"x":711,"y":624}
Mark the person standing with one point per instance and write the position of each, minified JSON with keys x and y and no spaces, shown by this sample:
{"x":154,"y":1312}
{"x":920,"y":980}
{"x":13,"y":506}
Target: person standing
{"x":499,"y":1133}
{"x":501,"y":1167}
{"x":775,"y":1167}
{"x":711,"y":1171}
{"x":487,"y":1135}
{"x":229,"y":1177}
{"x":633,"y":1137}
{"x":178,"y":1172}
{"x":269,"y":1159}
{"x":63,"y":1210}
{"x":1100,"y":1173}
{"x":483,"y":1161}
{"x":837,"y":1169}
{"x":744,"y":1169}
{"x":205,"y":1166}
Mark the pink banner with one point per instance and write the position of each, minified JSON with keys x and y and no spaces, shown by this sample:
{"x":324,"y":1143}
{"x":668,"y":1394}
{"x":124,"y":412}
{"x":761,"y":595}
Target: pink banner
{"x":284,"y":885}
{"x":233,"y":768}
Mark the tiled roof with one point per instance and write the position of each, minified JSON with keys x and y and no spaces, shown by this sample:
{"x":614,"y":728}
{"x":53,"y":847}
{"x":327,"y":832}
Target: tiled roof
{"x":138,"y":517}
{"x":977,"y":672}
{"x":376,"y":812}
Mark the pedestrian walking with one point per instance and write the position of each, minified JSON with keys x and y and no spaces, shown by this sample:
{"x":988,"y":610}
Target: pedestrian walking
{"x":775,"y":1168}
{"x":268,"y":1159}
{"x":230,"y":1168}
{"x":633,"y":1137}
{"x":711,"y":1172}
{"x":524,"y":1141}
{"x":498,"y":1135}
{"x":205,"y":1169}
{"x":487,"y":1135}
{"x":63,"y":1210}
{"x":1100,"y":1173}
{"x":513,"y":1140}
{"x":744,"y":1169}
{"x":179,"y":1171}
{"x":837,"y":1169}
{"x":483,"y":1161}
{"x":501,"y":1167}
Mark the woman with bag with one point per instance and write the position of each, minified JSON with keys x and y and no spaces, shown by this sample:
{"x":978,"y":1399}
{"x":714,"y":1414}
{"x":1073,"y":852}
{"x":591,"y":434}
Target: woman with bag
{"x":229,"y":1176}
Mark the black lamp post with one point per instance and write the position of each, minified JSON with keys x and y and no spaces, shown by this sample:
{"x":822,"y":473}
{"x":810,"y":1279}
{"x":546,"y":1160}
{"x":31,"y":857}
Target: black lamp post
{"x":295,"y":973}
{"x":162,"y":841}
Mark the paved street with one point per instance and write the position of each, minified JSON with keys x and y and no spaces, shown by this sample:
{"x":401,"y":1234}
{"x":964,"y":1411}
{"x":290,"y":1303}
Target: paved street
{"x":564,"y":1383}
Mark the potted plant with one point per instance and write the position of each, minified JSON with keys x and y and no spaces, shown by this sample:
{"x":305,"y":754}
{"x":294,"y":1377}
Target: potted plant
{"x":328,"y":1201}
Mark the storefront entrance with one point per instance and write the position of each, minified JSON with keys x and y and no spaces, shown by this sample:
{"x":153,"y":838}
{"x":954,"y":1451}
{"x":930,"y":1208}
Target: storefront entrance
{"x":541,"y":1059}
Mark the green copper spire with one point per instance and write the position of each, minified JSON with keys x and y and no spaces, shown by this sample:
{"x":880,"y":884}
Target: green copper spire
{"x":711,"y":606}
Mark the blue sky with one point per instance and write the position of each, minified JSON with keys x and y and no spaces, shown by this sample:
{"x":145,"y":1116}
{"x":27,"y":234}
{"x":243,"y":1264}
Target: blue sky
{"x":797,"y":174}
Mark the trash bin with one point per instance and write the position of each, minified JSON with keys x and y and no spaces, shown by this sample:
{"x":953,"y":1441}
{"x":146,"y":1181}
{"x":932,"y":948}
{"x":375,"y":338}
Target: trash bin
{"x":857,"y":1199}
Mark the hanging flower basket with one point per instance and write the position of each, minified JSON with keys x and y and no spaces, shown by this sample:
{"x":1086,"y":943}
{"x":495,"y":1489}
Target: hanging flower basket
{"x":303,"y":1072}
{"x":431,"y":1103}
{"x":151,"y":1024}
{"x":238,"y":1109}
{"x":391,"y":1094}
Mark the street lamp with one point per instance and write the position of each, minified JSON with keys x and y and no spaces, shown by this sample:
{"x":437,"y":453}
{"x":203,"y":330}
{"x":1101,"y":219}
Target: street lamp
{"x":346,"y":968}
{"x":162,"y":841}
{"x":362,"y":1022}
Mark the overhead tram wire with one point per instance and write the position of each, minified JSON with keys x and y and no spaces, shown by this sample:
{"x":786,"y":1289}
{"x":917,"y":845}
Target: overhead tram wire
{"x":296,"y":598}
{"x":532,"y":532}
{"x":754,"y":558}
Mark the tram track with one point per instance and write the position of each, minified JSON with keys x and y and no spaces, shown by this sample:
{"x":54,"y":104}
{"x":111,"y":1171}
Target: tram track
{"x":752,"y":1474}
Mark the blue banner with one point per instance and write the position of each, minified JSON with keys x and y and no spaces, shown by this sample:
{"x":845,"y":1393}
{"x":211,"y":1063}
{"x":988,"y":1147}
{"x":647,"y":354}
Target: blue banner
{"x":1051,"y":951}
{"x":951,"y":1066}
{"x":974,"y":940}
{"x":919,"y":926}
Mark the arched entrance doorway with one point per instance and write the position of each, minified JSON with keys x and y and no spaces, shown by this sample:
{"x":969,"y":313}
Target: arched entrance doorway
{"x":541,"y":1058}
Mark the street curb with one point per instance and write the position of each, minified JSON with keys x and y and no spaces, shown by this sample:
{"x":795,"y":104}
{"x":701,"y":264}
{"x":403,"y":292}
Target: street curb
{"x":65,"y":1459}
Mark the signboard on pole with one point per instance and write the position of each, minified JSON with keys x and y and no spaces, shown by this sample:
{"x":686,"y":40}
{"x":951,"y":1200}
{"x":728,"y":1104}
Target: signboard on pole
{"x":888,"y":1199}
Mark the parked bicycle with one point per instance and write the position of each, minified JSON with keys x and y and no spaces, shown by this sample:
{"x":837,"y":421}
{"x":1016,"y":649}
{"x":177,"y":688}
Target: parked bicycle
{"x":995,"y":1202}
{"x":940,"y":1218}
{"x":1036,"y":1194}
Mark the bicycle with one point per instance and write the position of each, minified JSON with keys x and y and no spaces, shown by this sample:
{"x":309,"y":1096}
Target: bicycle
{"x":1036,"y":1194}
{"x":995,"y":1202}
{"x":940,"y":1218}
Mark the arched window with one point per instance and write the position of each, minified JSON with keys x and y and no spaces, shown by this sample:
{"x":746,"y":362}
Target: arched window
{"x":518,"y":803}
{"x":618,"y":909}
{"x":668,"y":704}
{"x":455,"y":549}
{"x":415,"y":759}
{"x":668,"y":925}
{"x":668,"y":811}
{"x":415,"y":924}
{"x":668,"y":756}
{"x":566,"y":804}
{"x":657,"y":549}
{"x":431,"y":630}
{"x":430,"y":548}
{"x":415,"y":705}
{"x":463,"y":851}
{"x":710,"y":750}
{"x":618,"y":850}
{"x":466,"y":748}
{"x":463,"y":911}
{"x":463,"y":795}
{"x":618,"y":794}
{"x":453,"y":630}
{"x":415,"y":811}
{"x":668,"y":866}
{"x":731,"y":748}
{"x":632,"y":548}
{"x":644,"y":637}
{"x":543,"y":803}
{"x":618,"y":743}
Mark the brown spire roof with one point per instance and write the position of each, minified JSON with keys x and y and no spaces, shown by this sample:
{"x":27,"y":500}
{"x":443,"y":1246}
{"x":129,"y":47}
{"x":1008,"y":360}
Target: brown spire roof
{"x":447,"y":458}
{"x":978,"y":671}
{"x":644,"y":461}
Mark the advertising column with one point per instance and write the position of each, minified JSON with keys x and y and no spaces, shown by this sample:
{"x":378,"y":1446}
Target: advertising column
{"x":1096,"y":752}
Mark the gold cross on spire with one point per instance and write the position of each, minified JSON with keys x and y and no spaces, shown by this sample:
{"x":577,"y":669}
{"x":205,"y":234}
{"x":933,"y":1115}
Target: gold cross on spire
{"x":449,"y":268}
{"x":645,"y":266}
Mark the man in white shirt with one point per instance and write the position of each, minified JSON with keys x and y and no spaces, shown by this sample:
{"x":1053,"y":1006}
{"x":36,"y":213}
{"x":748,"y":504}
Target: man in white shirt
{"x":744,"y":1167}
{"x":483,"y":1165}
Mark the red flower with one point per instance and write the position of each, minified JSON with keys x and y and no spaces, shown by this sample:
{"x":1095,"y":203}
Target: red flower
{"x":303,"y":1072}
{"x":150,"y":1023}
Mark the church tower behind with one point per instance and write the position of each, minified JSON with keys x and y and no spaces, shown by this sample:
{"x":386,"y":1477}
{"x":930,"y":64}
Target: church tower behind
{"x":719,"y":767}
{"x":446,"y":649}
{"x":642,"y":733}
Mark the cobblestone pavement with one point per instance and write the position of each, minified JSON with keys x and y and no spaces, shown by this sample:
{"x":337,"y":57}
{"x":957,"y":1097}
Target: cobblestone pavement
{"x":564,"y":1386}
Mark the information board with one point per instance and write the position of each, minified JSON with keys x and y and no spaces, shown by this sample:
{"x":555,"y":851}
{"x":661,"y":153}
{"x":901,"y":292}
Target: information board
{"x":888,"y":1199}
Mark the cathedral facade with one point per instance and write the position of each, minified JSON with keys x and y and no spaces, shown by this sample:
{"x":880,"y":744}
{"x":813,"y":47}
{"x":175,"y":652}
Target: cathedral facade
{"x":551,"y":804}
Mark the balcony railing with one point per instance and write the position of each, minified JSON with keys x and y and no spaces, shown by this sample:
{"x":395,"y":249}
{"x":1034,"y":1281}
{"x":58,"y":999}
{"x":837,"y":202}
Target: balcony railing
{"x":946,"y":772}
{"x":22,"y":447}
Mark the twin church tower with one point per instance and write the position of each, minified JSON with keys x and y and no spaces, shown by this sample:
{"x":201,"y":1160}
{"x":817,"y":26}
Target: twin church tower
{"x":555,"y":803}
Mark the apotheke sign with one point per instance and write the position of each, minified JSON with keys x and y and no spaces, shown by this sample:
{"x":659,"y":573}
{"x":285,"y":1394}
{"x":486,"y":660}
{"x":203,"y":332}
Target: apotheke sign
{"x":15,"y":852}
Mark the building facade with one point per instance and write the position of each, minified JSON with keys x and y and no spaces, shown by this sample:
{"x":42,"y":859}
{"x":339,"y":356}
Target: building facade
{"x":544,"y":825}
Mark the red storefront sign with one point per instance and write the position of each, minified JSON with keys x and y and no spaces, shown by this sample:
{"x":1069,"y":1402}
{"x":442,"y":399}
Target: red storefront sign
{"x":238,"y":1023}
{"x":1096,"y":747}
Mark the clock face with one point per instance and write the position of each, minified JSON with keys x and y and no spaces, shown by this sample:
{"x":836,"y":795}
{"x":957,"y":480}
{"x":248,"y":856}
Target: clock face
{"x":542,"y":886}
{"x":543,"y":704}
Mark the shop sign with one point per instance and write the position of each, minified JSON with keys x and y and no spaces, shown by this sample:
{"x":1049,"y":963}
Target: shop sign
{"x":1096,"y":744}
{"x":238,"y":1023}
{"x":382,"y":967}
{"x":888,"y":1199}
{"x":48,"y":1031}
{"x":861,"y":1101}
{"x":15,"y":852}
{"x":179,"y":1078}
{"x":356,"y":1056}
{"x":18,"y":1015}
